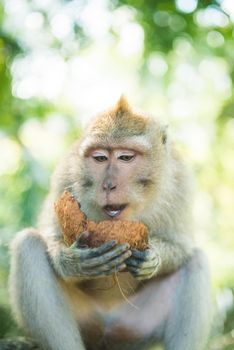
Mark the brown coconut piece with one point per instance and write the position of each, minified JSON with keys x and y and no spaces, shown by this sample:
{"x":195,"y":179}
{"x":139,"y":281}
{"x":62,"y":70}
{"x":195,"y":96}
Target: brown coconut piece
{"x":73,"y":222}
{"x":71,"y":219}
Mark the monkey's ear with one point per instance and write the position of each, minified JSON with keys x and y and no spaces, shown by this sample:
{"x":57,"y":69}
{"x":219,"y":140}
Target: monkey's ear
{"x":164,"y":134}
{"x":122,"y":105}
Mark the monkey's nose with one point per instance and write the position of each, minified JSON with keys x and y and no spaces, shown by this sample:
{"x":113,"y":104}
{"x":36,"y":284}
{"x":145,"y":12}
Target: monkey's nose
{"x":108,"y":185}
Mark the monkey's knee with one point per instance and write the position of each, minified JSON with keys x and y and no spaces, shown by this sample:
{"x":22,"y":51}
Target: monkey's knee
{"x":25,"y":249}
{"x":28,"y":250}
{"x":25,"y":246}
{"x":200,"y":256}
{"x":26,"y":240}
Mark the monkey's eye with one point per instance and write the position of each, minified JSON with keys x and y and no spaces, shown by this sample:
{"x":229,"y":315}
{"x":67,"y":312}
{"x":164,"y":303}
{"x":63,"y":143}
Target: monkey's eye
{"x":126,"y":157}
{"x":100,"y":158}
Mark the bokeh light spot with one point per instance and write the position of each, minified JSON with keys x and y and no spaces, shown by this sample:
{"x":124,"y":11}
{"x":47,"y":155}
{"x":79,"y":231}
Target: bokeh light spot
{"x":186,"y":6}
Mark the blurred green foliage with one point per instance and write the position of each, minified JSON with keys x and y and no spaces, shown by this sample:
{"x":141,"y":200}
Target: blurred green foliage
{"x":199,"y":37}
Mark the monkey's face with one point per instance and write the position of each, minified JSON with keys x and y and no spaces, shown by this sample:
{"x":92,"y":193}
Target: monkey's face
{"x":115,"y":183}
{"x":119,"y":165}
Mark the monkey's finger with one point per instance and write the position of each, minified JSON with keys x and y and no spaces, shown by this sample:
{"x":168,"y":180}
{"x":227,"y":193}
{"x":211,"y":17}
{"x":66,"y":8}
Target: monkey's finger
{"x":132,"y":261}
{"x":95,"y":252}
{"x":145,"y":276}
{"x":82,"y":241}
{"x":140,"y":263}
{"x":148,"y":254}
{"x":98,"y":273}
{"x":107,"y":264}
{"x":139,"y":254}
{"x":120,"y":249}
{"x":142,"y":273}
{"x":114,"y":263}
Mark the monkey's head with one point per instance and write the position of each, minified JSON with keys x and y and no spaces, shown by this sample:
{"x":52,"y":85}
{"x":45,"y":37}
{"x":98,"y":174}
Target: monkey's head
{"x":120,"y":164}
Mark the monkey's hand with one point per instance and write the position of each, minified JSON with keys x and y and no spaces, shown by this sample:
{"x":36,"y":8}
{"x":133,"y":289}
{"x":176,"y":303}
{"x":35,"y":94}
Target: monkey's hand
{"x":82,"y":261}
{"x":143,"y":265}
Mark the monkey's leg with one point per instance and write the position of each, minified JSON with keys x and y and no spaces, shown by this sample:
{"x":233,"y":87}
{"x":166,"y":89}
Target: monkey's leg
{"x":174,"y":309}
{"x":37,"y":299}
{"x":188,"y":325}
{"x":140,"y":323}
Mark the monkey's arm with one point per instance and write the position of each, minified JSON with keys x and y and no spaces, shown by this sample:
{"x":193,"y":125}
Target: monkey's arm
{"x":162,"y":257}
{"x":82,"y":262}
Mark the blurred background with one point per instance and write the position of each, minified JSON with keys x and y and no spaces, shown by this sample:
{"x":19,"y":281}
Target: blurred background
{"x":62,"y":61}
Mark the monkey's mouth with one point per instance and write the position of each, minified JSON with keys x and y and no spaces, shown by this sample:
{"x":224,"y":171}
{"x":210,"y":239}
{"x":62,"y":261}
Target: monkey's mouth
{"x":113,"y":211}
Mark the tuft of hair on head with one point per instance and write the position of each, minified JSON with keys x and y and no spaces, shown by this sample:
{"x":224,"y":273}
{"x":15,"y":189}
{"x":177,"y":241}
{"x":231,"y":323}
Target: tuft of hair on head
{"x":122,"y":105}
{"x":119,"y":121}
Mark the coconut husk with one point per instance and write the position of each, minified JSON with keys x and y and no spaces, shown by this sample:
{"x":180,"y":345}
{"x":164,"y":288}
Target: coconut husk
{"x":73,"y":223}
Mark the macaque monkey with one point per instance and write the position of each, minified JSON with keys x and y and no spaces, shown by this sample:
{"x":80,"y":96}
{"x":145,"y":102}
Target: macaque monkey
{"x":124,"y":167}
